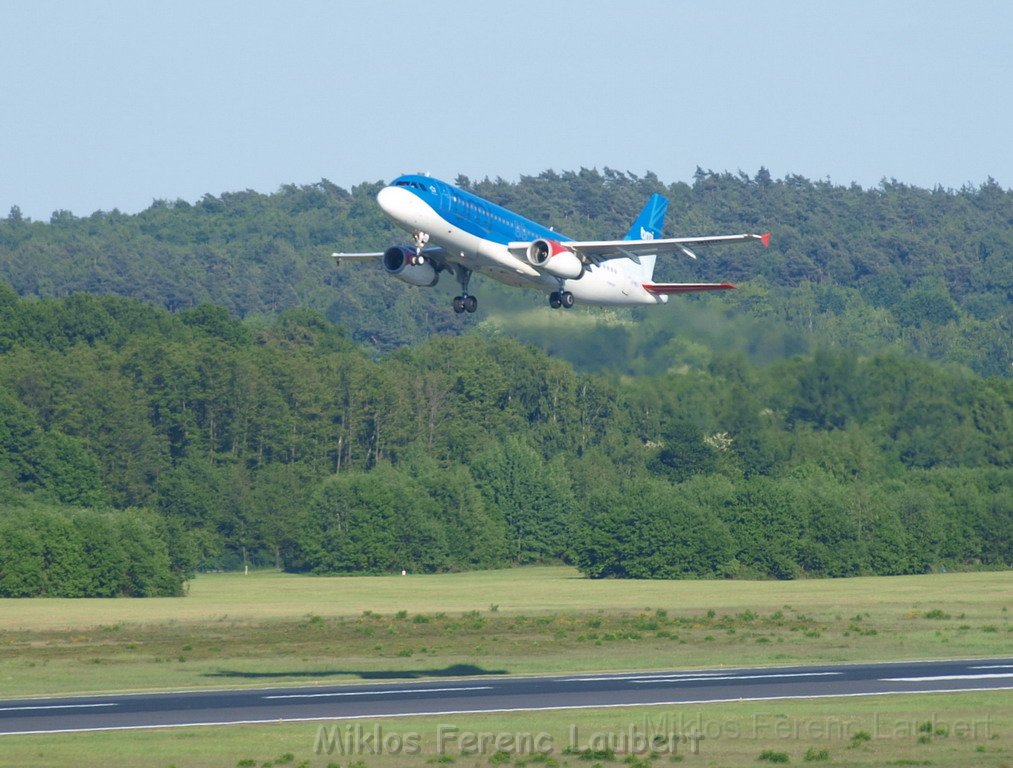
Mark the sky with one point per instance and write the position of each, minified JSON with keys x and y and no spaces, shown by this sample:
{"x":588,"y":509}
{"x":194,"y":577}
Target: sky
{"x":113,"y":104}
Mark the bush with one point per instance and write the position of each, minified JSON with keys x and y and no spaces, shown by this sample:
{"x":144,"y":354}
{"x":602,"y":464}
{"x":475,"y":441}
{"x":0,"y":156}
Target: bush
{"x":59,"y":552}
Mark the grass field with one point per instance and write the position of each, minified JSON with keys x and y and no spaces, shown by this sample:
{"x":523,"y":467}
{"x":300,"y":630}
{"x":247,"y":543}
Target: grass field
{"x":269,"y":628}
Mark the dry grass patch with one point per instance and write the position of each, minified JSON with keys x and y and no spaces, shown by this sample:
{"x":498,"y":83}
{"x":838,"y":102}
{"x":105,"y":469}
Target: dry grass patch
{"x":273,"y":628}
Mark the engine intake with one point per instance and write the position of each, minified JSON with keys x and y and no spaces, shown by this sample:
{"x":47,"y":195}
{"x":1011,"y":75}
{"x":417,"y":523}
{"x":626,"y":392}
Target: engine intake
{"x":555,"y":258}
{"x":397,"y":260}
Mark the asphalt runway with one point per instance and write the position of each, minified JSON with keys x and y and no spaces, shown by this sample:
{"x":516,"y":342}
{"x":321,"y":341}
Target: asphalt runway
{"x":494,"y":694}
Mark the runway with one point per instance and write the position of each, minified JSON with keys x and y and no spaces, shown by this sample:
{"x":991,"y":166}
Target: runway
{"x":494,"y":694}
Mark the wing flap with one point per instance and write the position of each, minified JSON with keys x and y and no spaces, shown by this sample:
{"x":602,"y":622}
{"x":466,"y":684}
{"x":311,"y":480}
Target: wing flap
{"x":667,"y":288}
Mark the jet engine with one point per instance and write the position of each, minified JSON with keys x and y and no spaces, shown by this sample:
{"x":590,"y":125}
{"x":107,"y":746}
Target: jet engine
{"x":398,"y":262}
{"x":555,"y":258}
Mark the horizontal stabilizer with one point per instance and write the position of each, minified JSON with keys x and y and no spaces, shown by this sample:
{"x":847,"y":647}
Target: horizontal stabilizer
{"x":666,"y":288}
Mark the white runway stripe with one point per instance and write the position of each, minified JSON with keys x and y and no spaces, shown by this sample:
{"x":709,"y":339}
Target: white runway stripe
{"x":991,"y":676}
{"x":377,"y":693}
{"x":669,"y":679}
{"x":56,"y":706}
{"x":694,"y":677}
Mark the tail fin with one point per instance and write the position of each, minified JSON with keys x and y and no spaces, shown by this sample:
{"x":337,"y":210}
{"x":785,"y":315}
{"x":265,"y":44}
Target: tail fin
{"x":647,"y":226}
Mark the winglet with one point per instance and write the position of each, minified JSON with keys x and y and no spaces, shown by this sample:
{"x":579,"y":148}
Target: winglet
{"x":765,"y":239}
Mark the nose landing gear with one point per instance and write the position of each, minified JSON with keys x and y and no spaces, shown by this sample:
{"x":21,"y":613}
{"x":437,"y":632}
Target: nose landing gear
{"x":419,"y":239}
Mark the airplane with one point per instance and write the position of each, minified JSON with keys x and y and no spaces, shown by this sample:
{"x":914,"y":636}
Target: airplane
{"x":455,"y":231}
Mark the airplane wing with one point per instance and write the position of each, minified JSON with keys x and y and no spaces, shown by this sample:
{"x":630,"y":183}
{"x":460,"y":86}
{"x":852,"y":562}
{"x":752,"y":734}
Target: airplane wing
{"x":340,"y":257}
{"x":597,"y":251}
{"x":434,"y":252}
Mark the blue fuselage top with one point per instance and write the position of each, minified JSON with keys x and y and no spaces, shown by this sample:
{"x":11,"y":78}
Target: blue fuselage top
{"x":473,"y":214}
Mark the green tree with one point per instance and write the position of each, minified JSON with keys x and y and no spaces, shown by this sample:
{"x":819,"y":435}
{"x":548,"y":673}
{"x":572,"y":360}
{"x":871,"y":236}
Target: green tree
{"x":475,"y":537}
{"x":532,"y":496}
{"x":380,"y":521}
{"x":648,"y":529}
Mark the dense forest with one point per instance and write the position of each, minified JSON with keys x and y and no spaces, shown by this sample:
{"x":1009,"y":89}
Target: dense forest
{"x":196,"y":387}
{"x":898,"y":268}
{"x":282,"y":442}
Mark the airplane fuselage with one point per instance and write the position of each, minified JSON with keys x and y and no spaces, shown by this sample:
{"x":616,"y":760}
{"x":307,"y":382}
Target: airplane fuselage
{"x":476,"y":233}
{"x":455,"y":231}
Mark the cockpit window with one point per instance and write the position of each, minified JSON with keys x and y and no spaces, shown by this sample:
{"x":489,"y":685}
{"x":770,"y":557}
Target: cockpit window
{"x":413,"y":184}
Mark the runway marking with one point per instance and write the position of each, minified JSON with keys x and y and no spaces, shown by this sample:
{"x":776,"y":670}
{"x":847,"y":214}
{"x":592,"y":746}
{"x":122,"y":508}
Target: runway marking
{"x":696,"y":678}
{"x":729,"y":677}
{"x":271,"y":720}
{"x":607,"y":678}
{"x":56,"y":706}
{"x":993,"y":666}
{"x":990,"y":676}
{"x":377,"y":693}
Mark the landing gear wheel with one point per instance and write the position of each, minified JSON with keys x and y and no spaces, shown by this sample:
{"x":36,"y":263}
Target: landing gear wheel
{"x":464,"y":302}
{"x":566,"y":299}
{"x":555,"y":301}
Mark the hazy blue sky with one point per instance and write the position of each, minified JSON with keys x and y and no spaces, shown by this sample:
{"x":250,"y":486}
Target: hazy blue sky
{"x":113,"y":104}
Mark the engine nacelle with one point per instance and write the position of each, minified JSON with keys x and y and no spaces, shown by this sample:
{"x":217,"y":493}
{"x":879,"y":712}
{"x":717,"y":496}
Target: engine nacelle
{"x":398,"y":262}
{"x":555,"y":258}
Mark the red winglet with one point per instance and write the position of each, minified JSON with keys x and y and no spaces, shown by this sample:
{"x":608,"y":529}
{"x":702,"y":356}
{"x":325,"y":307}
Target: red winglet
{"x":765,"y":239}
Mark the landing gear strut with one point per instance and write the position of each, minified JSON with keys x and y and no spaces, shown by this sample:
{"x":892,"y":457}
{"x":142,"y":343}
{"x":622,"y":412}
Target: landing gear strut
{"x":559,"y":299}
{"x":464,"y":302}
{"x":420,"y":239}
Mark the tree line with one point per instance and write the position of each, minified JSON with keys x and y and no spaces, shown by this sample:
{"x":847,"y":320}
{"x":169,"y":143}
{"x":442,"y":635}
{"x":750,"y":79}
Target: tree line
{"x":280,"y":441}
{"x":893,"y":268}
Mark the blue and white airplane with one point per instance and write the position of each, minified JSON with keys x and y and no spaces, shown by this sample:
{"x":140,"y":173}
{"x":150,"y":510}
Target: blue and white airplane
{"x":457,"y":232}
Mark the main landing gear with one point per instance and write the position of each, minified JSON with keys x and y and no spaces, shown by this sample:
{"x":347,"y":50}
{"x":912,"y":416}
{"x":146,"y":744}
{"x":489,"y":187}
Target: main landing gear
{"x":562,"y":299}
{"x":464,"y":302}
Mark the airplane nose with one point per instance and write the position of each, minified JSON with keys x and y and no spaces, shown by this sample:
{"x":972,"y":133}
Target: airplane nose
{"x":386,"y":199}
{"x":400,"y":205}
